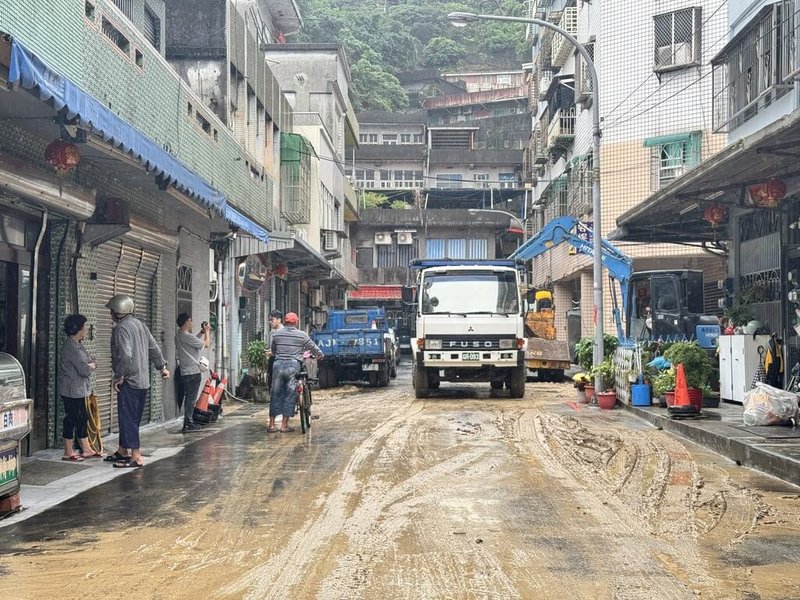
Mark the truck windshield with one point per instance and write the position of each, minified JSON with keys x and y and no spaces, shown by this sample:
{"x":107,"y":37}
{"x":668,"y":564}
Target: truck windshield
{"x":465,"y":293}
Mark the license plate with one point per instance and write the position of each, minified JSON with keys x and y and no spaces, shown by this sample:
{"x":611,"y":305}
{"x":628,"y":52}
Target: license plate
{"x":470,"y":356}
{"x":370,"y":367}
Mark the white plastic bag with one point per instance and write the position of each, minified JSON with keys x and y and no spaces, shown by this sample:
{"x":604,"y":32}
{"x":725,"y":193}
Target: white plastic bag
{"x":767,"y":405}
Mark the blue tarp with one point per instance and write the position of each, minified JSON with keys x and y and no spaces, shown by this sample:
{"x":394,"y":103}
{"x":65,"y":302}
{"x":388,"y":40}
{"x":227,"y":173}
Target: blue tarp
{"x":32,"y":73}
{"x":236,"y":218}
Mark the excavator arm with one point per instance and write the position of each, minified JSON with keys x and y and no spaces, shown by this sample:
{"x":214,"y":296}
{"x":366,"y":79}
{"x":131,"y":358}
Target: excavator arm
{"x":560,"y":230}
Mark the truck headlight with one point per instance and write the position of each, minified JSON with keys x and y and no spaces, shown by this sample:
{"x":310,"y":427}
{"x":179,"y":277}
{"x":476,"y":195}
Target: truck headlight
{"x":506,"y":344}
{"x":433,"y":344}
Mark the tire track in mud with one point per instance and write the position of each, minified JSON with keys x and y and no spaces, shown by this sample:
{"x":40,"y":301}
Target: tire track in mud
{"x":284,"y":570}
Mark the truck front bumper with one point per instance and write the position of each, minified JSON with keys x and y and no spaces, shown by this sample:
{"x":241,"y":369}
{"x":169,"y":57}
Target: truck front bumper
{"x":445,"y":359}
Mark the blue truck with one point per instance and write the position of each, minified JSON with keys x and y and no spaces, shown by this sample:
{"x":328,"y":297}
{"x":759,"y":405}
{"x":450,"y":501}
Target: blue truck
{"x":356,"y":346}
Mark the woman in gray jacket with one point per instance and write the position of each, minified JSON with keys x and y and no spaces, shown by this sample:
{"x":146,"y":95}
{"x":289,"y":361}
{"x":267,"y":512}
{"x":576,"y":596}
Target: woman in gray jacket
{"x":74,"y":370}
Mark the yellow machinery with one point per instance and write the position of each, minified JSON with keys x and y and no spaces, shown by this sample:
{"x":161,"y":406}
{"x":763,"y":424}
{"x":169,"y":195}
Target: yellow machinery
{"x":546,"y":355}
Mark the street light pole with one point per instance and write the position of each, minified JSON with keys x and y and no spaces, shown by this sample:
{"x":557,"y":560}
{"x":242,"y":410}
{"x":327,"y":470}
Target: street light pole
{"x":461,"y":19}
{"x":502,"y":212}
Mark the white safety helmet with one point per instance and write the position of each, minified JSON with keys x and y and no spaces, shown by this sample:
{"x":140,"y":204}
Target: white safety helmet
{"x":121,"y":304}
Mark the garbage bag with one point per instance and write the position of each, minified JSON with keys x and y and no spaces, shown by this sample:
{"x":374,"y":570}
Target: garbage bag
{"x":659,"y":362}
{"x":767,"y":405}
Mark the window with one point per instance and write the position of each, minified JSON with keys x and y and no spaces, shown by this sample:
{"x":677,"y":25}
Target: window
{"x":507,"y":180}
{"x":417,"y":138}
{"x":478,"y":248}
{"x":677,"y":39}
{"x":434,"y":248}
{"x":364,"y":258}
{"x":368,"y":138}
{"x":481,"y":179}
{"x":457,"y":248}
{"x":451,"y":181}
{"x":390,"y":139}
{"x":151,"y":28}
{"x":116,"y":36}
{"x":387,"y":255}
{"x":671,"y":156}
{"x":88,"y":10}
{"x":405,"y":138}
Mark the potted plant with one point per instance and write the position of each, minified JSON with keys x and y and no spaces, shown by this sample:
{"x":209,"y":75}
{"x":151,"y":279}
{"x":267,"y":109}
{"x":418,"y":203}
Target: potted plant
{"x":581,"y":381}
{"x":664,"y":386}
{"x":584,"y":350}
{"x":258,"y":362}
{"x":607,"y":375}
{"x":696,"y":366}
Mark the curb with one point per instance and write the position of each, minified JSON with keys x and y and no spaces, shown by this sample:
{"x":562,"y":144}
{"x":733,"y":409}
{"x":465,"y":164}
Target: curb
{"x":746,"y":451}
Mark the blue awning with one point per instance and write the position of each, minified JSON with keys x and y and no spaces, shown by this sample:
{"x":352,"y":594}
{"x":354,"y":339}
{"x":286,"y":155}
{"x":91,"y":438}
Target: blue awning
{"x":234,"y":217}
{"x":32,"y":73}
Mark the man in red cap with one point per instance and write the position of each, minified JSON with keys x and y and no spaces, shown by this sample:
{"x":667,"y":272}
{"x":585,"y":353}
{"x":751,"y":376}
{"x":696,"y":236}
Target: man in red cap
{"x":288,"y":345}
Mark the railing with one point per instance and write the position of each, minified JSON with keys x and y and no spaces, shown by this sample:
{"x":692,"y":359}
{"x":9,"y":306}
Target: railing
{"x":562,"y":130}
{"x":562,"y":48}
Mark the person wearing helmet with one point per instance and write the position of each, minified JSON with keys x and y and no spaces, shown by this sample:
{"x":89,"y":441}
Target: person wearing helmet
{"x":287,"y":346}
{"x":133,"y":347}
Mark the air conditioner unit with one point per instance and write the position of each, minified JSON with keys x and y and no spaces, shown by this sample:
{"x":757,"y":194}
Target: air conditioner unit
{"x":668,"y":56}
{"x":405,"y":238}
{"x":330,"y":241}
{"x":315,"y":297}
{"x":383,"y":238}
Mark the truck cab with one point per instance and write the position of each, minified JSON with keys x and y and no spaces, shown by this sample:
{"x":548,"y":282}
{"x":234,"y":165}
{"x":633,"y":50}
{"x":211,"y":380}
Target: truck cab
{"x":469,"y":324}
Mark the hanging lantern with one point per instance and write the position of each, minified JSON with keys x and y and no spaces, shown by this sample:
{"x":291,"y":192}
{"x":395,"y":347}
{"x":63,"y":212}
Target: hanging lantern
{"x":715,"y":214}
{"x":767,"y":194}
{"x":281,"y":270}
{"x":64,"y":156}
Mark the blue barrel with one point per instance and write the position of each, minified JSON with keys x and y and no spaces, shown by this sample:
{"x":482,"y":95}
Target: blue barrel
{"x":640,"y":394}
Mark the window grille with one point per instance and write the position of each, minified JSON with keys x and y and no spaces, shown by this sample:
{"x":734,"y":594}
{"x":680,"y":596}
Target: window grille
{"x":434,"y":248}
{"x":151,"y":28}
{"x":296,"y":153}
{"x":672,"y":159}
{"x":677,"y":39}
{"x":757,"y":68}
{"x":479,"y":248}
{"x":126,"y":6}
{"x":583,"y":80}
{"x":457,"y":248}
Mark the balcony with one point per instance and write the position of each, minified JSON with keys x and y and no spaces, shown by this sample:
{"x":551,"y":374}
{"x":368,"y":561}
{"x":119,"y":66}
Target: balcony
{"x":562,"y":48}
{"x":561,"y":131}
{"x":545,"y":78}
{"x":539,"y":151}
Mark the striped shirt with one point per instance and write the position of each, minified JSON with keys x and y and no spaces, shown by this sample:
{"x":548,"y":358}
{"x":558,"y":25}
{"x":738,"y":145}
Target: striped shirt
{"x":73,"y":370}
{"x":290,"y":342}
{"x":132,"y":347}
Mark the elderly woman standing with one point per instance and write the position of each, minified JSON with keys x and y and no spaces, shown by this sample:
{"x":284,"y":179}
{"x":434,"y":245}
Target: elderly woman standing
{"x":74,"y":370}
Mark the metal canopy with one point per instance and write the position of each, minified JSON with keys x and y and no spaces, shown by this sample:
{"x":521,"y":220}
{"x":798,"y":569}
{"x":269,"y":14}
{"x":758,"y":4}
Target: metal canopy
{"x":675,"y":213}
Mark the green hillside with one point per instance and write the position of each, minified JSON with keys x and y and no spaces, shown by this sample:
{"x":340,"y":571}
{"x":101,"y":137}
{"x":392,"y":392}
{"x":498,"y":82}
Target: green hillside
{"x":386,"y":37}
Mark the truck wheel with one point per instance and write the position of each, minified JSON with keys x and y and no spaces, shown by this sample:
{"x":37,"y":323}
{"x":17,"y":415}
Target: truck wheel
{"x":323,"y":378}
{"x":383,"y":375}
{"x":517,"y":382}
{"x":393,"y":370}
{"x":557,"y":375}
{"x":420,"y":379}
{"x":372,"y":380}
{"x":496,"y":385}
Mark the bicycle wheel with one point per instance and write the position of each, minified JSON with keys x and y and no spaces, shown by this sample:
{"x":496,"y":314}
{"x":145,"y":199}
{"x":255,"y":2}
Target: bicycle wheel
{"x":305,"y":410}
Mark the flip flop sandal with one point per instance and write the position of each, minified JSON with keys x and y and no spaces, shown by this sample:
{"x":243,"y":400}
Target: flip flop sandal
{"x":73,"y":458}
{"x":287,"y":430}
{"x":116,"y":457}
{"x":272,"y":430}
{"x":92,"y":455}
{"x":128,"y":464}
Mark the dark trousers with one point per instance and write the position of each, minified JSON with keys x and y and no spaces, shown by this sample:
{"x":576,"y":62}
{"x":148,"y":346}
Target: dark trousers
{"x":75,"y":418}
{"x":130,"y":407}
{"x":191,"y":389}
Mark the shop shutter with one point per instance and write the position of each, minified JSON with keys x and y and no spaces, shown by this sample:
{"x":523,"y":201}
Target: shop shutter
{"x":148,"y":309}
{"x":123,"y":269}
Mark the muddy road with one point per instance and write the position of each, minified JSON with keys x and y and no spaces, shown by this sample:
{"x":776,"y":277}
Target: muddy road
{"x":463,"y":495}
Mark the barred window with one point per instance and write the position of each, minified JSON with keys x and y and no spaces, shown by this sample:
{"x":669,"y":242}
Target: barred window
{"x":677,"y":39}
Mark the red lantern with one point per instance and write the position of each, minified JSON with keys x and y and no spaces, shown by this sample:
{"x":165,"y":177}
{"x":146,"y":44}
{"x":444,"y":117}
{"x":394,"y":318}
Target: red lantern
{"x":767,"y":194}
{"x":715,"y":214}
{"x":281,"y":270}
{"x":64,"y":156}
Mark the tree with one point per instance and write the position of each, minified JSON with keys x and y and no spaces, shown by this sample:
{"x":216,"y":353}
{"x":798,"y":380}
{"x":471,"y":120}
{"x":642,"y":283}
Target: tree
{"x":373,"y":200}
{"x":443,"y":52}
{"x":374,"y":88}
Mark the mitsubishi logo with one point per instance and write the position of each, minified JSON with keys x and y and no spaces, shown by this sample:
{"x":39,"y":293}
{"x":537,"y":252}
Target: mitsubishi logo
{"x":470,"y":329}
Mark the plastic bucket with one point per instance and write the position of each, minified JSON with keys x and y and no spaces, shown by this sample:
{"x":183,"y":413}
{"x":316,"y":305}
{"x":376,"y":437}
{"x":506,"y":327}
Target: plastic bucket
{"x":640,"y":394}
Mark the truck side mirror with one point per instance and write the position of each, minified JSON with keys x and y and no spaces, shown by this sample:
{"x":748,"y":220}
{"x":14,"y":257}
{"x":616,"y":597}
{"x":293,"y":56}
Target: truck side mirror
{"x":408,"y":294}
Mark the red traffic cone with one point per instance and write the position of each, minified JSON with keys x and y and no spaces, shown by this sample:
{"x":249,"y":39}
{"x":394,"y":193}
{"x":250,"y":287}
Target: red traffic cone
{"x":202,"y":401}
{"x":682,"y":406}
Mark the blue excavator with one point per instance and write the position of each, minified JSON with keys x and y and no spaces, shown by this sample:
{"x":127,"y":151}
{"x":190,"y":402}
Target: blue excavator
{"x":656,"y":305}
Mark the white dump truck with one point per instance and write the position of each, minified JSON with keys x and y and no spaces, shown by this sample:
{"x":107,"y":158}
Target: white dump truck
{"x":469,"y":324}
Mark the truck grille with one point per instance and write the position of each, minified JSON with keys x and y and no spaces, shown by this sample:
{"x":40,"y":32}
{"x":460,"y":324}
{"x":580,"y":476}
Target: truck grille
{"x":465,"y":342}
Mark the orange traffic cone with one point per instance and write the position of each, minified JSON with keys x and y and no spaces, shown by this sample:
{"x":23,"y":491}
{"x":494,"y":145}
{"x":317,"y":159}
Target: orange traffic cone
{"x":681,"y":405}
{"x":205,"y":396}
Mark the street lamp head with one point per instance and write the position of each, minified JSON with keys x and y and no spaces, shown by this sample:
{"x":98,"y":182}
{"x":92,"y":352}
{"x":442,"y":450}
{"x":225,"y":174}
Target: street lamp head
{"x":461,"y":19}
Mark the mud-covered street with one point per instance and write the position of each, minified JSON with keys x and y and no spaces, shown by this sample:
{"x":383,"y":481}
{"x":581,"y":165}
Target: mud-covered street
{"x":463,"y":495}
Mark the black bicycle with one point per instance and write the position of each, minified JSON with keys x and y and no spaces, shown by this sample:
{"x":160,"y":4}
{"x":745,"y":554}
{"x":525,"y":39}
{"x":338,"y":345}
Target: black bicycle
{"x":304,"y":398}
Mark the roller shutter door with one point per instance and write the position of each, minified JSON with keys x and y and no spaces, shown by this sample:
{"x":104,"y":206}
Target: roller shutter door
{"x":122,"y":269}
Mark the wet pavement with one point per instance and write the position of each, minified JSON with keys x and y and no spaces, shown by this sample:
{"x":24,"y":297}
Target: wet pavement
{"x":469,"y":494}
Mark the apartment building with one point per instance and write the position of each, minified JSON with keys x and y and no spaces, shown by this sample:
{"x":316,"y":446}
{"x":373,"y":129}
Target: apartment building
{"x":744,"y":200}
{"x":653,"y":66}
{"x":135,"y":161}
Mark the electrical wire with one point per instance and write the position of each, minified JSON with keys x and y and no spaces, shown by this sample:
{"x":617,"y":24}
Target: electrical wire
{"x":653,"y":73}
{"x":623,"y":120}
